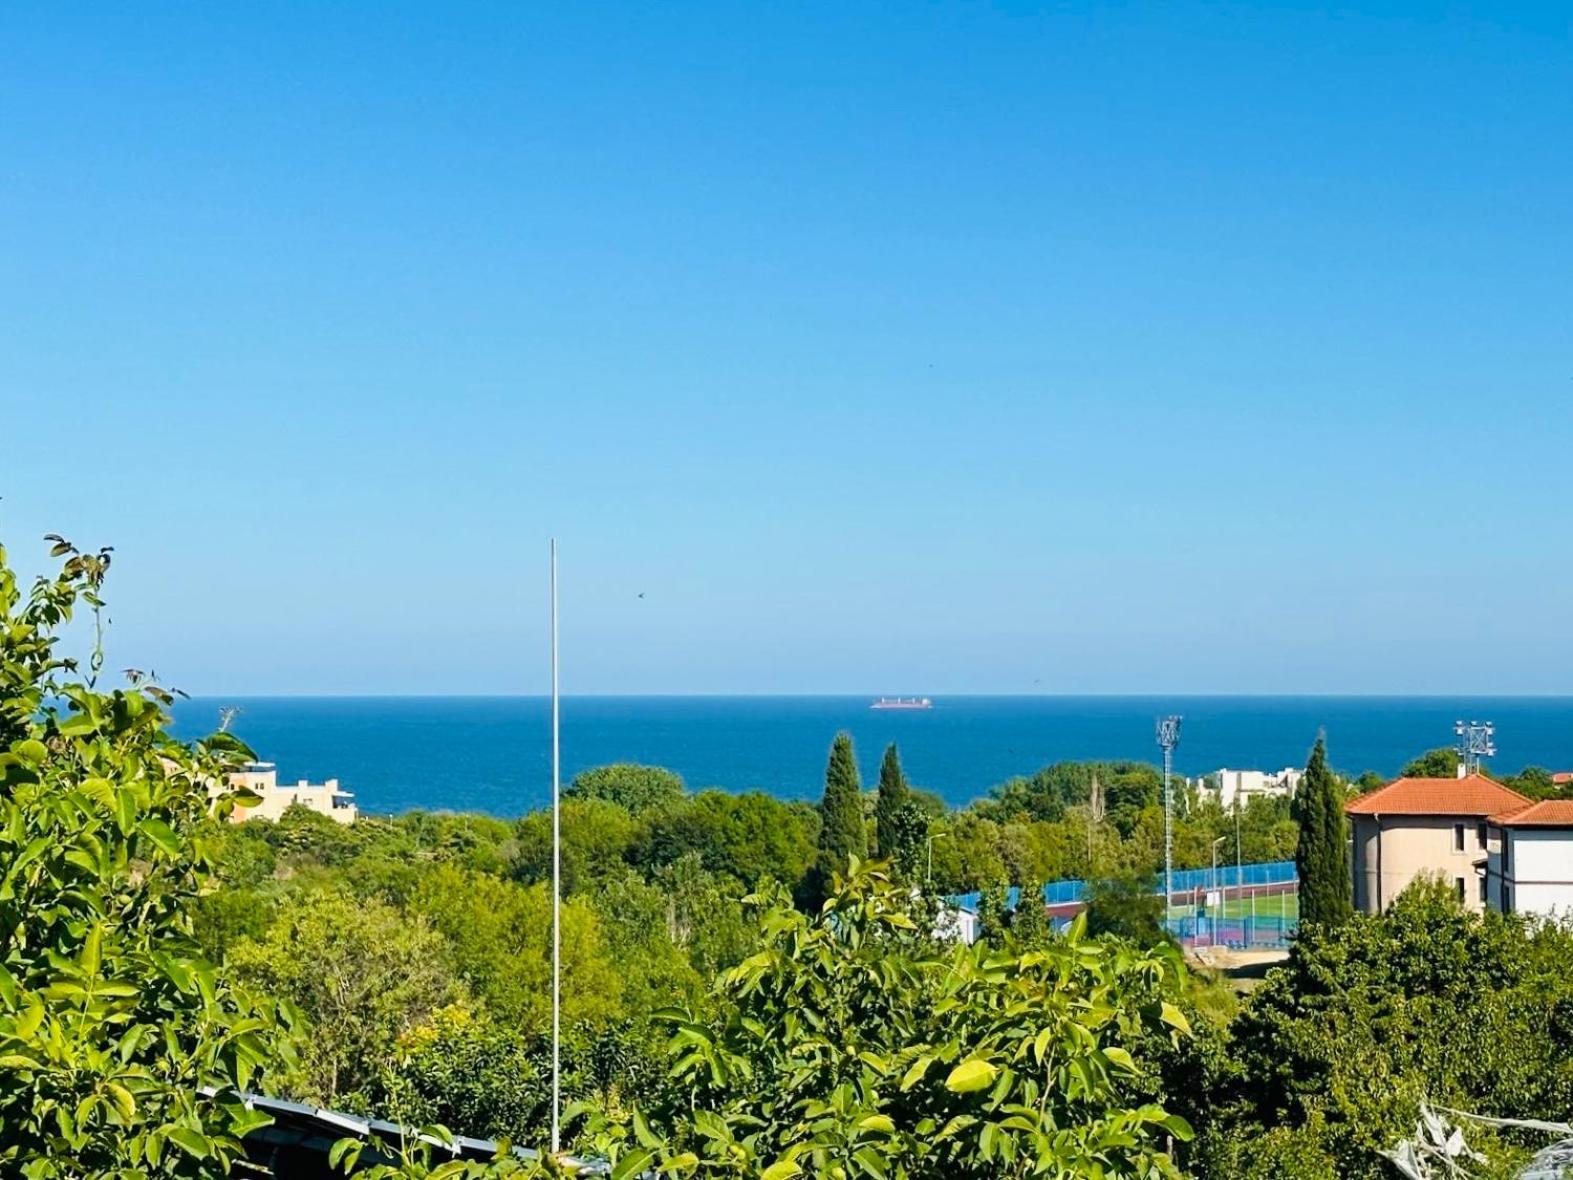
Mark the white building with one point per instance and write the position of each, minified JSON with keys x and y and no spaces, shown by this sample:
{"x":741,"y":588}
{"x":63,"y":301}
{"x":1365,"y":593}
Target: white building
{"x":1530,"y":867}
{"x":1245,"y":785}
{"x":262,"y":778}
{"x":957,"y":922}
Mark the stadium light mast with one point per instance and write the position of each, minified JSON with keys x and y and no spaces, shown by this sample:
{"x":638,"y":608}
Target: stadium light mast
{"x":557,"y":887}
{"x":1476,"y":740}
{"x":1168,"y":738}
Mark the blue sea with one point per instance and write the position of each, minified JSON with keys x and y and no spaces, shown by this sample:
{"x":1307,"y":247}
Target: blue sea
{"x":493,"y":754}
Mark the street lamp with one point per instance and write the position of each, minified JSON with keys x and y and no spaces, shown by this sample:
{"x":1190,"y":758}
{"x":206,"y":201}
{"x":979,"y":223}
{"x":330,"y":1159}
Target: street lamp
{"x":928,"y":878}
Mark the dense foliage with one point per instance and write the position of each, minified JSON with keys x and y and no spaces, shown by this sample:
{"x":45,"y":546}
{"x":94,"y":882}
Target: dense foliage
{"x":1327,"y":1063}
{"x":843,"y":832}
{"x":122,"y":1048}
{"x":635,"y":788}
{"x":715,"y":1029}
{"x":852,"y":1045}
{"x":1322,"y":852}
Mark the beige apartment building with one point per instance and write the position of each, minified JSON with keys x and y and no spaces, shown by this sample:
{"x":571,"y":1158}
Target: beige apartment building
{"x":1435,"y":826}
{"x":262,"y":778}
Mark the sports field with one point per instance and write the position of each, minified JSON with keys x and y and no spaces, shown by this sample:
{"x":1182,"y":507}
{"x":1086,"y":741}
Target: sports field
{"x":1268,"y":905}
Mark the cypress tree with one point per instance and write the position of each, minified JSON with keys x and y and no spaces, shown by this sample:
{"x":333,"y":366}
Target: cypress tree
{"x":841,"y":831}
{"x":893,"y":794}
{"x":1321,"y":856}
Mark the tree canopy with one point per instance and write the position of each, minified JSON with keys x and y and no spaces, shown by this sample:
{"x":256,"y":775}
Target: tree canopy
{"x":635,"y":788}
{"x":1322,"y":855}
{"x":842,"y":832}
{"x":123,"y":1050}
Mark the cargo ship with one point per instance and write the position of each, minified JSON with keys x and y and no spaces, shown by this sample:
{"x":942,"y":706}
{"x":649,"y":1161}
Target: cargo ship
{"x":902,"y":703}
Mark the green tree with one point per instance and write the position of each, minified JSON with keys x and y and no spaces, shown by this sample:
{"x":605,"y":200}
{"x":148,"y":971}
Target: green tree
{"x":498,"y":936}
{"x":1322,"y":855}
{"x":851,"y":1045}
{"x":597,"y":839}
{"x":361,"y":973}
{"x":463,"y":1069}
{"x":1128,"y":905}
{"x":894,"y":795}
{"x":749,"y":837}
{"x":122,"y":1049}
{"x":635,"y":788}
{"x":1438,"y":763}
{"x":1336,"y":1050}
{"x":842,"y":834}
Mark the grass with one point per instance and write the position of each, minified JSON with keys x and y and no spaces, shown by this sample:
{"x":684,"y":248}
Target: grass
{"x":1277,"y":905}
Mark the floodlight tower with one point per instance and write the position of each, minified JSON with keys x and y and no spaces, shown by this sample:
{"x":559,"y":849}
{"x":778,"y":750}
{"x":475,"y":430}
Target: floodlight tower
{"x":1168,"y":738}
{"x":1476,"y":740}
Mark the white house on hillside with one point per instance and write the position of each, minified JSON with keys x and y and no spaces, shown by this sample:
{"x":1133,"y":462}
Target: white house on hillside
{"x":1245,"y":785}
{"x":263,"y":779}
{"x":1530,"y":868}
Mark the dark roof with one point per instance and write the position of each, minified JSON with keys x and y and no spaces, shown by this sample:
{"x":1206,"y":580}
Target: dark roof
{"x":297,"y":1143}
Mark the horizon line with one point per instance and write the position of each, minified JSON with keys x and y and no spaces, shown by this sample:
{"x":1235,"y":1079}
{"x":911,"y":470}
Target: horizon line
{"x":937,"y":698}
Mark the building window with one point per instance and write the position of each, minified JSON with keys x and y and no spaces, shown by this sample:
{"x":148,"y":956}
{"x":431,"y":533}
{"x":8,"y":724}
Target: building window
{"x":1482,"y":889}
{"x":1458,"y":884}
{"x":1480,"y":835}
{"x":1458,"y":837}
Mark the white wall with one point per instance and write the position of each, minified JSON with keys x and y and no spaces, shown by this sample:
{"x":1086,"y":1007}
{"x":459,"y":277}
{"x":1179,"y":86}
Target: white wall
{"x":1542,"y":860}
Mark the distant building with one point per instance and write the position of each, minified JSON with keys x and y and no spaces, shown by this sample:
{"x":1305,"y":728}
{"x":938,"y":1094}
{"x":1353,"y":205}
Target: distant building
{"x":1245,"y":785}
{"x":1427,"y":826}
{"x":1562,"y":777}
{"x":958,"y":920}
{"x":1530,"y":869}
{"x":262,"y":778}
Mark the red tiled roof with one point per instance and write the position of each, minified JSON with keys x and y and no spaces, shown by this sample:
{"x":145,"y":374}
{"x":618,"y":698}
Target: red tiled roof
{"x":1548,"y":813}
{"x":1562,"y":776}
{"x":1474,"y":795}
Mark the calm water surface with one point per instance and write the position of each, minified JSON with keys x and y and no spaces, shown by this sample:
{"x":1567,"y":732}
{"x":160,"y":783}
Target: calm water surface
{"x":493,"y":754}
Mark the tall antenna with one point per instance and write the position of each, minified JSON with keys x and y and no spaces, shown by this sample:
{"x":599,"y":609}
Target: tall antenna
{"x":1168,"y":738}
{"x":1476,"y":740}
{"x":557,"y":889}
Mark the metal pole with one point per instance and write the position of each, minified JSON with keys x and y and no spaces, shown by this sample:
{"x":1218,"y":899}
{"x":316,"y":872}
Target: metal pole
{"x":1168,"y":829}
{"x":1239,"y":860}
{"x":557,"y":887}
{"x":1213,"y":917}
{"x":1168,"y":738}
{"x":933,"y":836}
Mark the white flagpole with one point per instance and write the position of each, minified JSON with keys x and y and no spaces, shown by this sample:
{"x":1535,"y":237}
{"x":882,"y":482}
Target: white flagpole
{"x":557,"y":887}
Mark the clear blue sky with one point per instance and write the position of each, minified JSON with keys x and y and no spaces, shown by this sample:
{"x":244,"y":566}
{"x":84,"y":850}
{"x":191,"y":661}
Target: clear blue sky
{"x":905,"y":348}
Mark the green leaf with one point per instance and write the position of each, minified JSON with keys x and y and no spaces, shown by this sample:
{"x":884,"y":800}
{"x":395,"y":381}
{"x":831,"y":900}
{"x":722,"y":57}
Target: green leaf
{"x":162,"y":835}
{"x":643,"y":1133}
{"x":916,"y":1071}
{"x":31,"y":750}
{"x":633,"y":1163}
{"x":1173,"y":1017}
{"x":1120,"y":1057}
{"x":973,"y":1074}
{"x":125,"y":1105}
{"x":192,"y":1142}
{"x":345,"y":1153}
